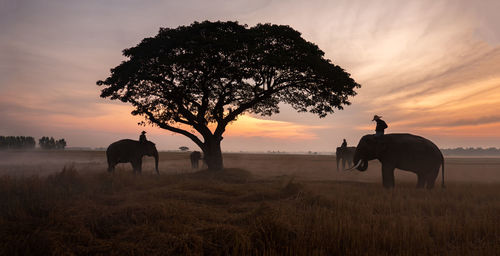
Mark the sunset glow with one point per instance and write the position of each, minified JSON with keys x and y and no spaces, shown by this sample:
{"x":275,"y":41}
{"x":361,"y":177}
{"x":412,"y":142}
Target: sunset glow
{"x":247,"y":126}
{"x":429,"y":68}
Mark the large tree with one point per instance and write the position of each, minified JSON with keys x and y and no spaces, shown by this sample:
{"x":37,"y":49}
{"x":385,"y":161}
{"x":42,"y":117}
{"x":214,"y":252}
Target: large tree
{"x":205,"y":75}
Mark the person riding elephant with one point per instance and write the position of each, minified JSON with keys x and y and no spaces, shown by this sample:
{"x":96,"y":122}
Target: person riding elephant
{"x":130,"y":151}
{"x":381,"y":125}
{"x":142,"y":137}
{"x":344,"y":144}
{"x":402,"y":151}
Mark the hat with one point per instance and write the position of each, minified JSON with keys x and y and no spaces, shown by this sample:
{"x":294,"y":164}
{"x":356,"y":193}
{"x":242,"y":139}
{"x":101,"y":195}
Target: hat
{"x":143,"y":132}
{"x":375,"y":117}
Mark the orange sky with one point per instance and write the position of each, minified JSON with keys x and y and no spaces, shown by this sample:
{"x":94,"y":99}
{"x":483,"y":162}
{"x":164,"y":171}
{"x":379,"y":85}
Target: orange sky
{"x":428,"y":67}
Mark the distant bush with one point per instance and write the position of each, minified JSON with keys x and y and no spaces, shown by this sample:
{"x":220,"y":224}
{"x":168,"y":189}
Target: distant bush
{"x":51,"y":143}
{"x":17,"y":142}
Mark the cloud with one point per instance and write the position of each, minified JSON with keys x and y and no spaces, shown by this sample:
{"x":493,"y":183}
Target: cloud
{"x":465,"y":96}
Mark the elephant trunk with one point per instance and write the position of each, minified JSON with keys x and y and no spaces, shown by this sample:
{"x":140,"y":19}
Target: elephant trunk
{"x":363,"y":166}
{"x":356,"y":166}
{"x":361,"y":163}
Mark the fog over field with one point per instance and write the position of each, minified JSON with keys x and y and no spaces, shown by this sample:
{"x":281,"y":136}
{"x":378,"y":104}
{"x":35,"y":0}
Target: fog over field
{"x":311,"y":167}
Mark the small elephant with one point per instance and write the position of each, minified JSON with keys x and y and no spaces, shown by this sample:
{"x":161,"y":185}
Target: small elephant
{"x":195,"y":157}
{"x":131,"y":151}
{"x":345,"y":154}
{"x":403,"y":151}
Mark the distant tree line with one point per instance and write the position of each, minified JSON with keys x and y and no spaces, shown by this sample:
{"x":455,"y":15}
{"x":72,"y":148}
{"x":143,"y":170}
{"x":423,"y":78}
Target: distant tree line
{"x":471,"y":151}
{"x":17,"y":142}
{"x":51,"y":143}
{"x":27,"y":142}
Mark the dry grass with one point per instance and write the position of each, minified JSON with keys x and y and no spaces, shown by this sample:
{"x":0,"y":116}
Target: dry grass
{"x":277,"y":205}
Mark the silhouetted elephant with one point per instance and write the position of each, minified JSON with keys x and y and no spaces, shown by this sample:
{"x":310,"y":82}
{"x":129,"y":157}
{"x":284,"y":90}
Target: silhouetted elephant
{"x":195,"y":158}
{"x":345,"y":154}
{"x":130,"y":151}
{"x":403,"y":151}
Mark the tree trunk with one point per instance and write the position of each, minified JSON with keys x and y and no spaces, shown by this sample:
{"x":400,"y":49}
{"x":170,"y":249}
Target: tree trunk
{"x":212,"y":155}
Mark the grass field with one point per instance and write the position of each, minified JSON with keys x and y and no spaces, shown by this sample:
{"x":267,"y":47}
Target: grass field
{"x":64,"y":203}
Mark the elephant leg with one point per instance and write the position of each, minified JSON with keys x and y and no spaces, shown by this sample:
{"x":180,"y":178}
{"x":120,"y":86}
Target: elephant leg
{"x":421,"y":180}
{"x":431,"y":179}
{"x":111,"y":164}
{"x":111,"y":167}
{"x":134,"y":166}
{"x":388,"y":175}
{"x":139,"y":166}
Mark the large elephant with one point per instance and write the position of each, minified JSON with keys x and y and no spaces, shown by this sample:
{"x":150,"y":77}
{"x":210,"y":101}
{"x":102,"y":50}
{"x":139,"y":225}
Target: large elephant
{"x":345,"y":154}
{"x":403,"y":151}
{"x":131,"y":151}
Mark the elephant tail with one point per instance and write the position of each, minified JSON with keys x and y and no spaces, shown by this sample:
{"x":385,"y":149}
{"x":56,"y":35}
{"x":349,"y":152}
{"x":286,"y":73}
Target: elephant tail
{"x":442,"y":173}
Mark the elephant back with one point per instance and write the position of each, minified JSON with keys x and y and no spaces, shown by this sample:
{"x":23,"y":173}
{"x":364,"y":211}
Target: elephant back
{"x":412,"y":144}
{"x":123,"y":147}
{"x":345,"y":151}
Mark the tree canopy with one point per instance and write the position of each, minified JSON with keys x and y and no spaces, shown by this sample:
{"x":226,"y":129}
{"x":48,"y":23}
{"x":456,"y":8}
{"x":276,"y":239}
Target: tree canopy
{"x":211,"y":72}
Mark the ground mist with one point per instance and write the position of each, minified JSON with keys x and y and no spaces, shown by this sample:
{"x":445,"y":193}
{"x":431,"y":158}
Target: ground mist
{"x":76,"y":212}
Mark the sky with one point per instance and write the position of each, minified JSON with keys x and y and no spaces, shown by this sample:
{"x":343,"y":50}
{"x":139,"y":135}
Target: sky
{"x":430,"y":68}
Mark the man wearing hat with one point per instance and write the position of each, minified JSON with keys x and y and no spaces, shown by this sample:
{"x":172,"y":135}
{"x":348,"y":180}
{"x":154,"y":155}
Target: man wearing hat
{"x":381,"y":125}
{"x":142,"y":138}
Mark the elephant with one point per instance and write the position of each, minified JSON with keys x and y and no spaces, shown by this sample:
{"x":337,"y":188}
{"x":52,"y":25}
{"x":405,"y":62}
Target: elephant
{"x":345,"y":154}
{"x":131,"y":151}
{"x":195,"y":157}
{"x":403,"y":151}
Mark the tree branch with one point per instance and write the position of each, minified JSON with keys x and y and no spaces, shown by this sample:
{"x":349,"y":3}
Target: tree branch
{"x":243,"y":107}
{"x":165,"y":126}
{"x":204,"y":105}
{"x":201,"y":127}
